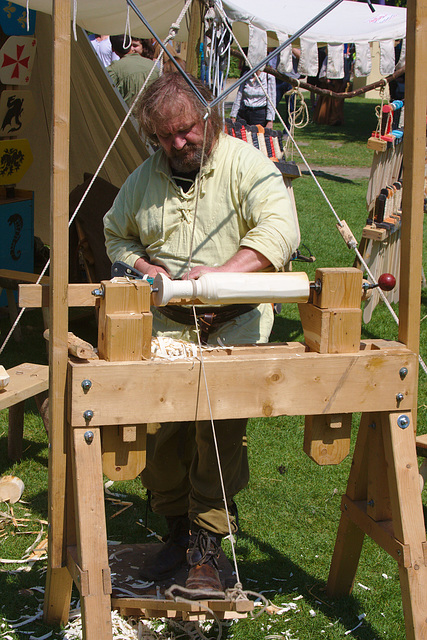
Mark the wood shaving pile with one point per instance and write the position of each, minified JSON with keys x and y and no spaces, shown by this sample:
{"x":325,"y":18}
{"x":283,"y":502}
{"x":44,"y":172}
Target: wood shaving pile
{"x":129,"y":629}
{"x":164,"y":348}
{"x":170,"y":349}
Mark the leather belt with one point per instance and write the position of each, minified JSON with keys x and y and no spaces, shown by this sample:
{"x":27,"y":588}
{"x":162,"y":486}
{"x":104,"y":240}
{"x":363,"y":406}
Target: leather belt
{"x":209,"y":318}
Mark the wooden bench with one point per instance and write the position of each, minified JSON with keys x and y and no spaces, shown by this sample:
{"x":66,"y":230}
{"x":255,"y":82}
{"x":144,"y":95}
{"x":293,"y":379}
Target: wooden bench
{"x":26,"y":380}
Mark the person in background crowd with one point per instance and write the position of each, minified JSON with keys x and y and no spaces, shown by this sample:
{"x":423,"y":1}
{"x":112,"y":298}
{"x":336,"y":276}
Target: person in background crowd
{"x":143,"y":46}
{"x":103,"y":48}
{"x":129,"y":73}
{"x":251,"y":103}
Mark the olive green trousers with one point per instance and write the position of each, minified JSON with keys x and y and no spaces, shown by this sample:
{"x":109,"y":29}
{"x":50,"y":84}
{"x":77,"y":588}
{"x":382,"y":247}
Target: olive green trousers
{"x":182,"y":470}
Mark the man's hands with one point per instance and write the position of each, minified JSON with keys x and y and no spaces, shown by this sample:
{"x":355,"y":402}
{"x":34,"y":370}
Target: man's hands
{"x":244,"y":260}
{"x":151,"y":270}
{"x":196,"y":272}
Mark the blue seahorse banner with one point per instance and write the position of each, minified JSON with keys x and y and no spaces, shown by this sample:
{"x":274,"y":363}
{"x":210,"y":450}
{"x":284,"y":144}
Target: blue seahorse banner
{"x":16,"y":234}
{"x":13,"y":19}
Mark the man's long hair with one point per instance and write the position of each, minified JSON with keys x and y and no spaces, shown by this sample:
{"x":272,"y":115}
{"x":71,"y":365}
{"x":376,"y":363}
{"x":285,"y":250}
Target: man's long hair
{"x":169,"y":96}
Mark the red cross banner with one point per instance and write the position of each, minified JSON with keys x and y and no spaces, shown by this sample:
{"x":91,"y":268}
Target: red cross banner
{"x":16,"y":60}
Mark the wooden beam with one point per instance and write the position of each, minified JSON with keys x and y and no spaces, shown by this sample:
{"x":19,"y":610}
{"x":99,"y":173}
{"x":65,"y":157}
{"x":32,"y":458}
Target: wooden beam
{"x":413,"y":173}
{"x":192,"y":62}
{"x":338,"y":383}
{"x":58,"y":578}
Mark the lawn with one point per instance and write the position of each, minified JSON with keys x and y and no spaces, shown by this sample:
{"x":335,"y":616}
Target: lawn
{"x":290,"y":511}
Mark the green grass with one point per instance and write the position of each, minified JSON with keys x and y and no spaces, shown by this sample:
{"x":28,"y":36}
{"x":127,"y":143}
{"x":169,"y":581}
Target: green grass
{"x":290,"y":511}
{"x":325,"y":145}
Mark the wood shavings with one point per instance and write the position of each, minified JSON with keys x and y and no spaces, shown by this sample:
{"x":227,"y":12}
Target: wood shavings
{"x":361,"y":618}
{"x":35,"y":552}
{"x":122,"y":629}
{"x":165,"y":348}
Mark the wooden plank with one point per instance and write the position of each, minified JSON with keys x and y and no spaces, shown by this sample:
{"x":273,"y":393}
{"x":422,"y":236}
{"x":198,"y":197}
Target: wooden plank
{"x":26,"y":381}
{"x":380,"y":531}
{"x":339,"y":383}
{"x":36,"y":295}
{"x":10,"y":279}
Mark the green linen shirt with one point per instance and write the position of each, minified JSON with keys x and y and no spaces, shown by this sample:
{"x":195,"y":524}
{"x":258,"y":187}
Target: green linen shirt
{"x":129,"y":74}
{"x":243,"y":202}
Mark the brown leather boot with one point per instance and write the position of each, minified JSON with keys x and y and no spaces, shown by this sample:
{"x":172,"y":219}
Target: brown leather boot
{"x":172,"y":555}
{"x":202,"y":556}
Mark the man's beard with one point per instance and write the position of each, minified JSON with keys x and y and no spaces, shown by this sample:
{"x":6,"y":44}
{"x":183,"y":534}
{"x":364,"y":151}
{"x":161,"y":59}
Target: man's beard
{"x":189,"y":158}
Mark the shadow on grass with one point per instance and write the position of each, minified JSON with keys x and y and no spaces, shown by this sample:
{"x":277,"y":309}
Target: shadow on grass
{"x":31,"y":452}
{"x":286,"y":329}
{"x":329,"y":176}
{"x":359,"y":122}
{"x":266,"y":576}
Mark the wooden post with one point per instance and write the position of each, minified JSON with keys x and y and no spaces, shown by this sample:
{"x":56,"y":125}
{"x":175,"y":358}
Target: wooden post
{"x":192,"y":62}
{"x":413,"y":173}
{"x":58,"y":582}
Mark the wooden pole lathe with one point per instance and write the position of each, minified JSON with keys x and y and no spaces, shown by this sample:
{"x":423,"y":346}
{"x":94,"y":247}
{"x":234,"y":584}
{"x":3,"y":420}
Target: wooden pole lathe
{"x":107,"y":410}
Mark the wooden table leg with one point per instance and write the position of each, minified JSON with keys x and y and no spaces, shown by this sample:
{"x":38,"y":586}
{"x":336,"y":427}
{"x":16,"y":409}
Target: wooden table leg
{"x":16,"y":431}
{"x":13,"y":314}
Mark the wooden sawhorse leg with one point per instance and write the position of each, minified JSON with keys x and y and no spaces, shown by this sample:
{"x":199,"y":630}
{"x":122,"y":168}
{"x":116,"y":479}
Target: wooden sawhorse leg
{"x":383,"y":500}
{"x":89,"y":564}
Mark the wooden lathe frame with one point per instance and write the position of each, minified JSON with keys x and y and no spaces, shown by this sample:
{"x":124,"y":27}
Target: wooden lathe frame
{"x":369,"y":380}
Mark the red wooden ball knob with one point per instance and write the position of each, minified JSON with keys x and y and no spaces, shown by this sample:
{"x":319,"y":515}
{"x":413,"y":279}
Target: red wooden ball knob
{"x":386,"y":282}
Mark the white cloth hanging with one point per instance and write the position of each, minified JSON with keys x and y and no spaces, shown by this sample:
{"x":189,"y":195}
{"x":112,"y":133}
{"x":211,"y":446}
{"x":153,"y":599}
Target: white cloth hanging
{"x":335,"y":65}
{"x":363,"y":61}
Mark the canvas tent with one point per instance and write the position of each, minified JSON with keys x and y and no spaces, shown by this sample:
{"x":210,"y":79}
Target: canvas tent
{"x":96,"y":114}
{"x":97,"y":110}
{"x":350,"y":22}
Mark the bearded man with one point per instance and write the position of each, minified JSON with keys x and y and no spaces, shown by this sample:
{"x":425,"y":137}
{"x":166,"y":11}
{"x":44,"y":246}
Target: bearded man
{"x":221,"y":201}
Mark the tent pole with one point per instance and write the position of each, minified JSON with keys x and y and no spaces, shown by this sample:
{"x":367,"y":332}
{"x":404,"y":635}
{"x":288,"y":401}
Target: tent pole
{"x":414,"y":144}
{"x":59,"y":581}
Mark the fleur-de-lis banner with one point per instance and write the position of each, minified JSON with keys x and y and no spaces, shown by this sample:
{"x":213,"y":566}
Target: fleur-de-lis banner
{"x":13,"y":19}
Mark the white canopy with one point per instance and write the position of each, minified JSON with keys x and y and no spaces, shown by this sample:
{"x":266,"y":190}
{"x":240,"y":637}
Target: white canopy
{"x":350,"y":22}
